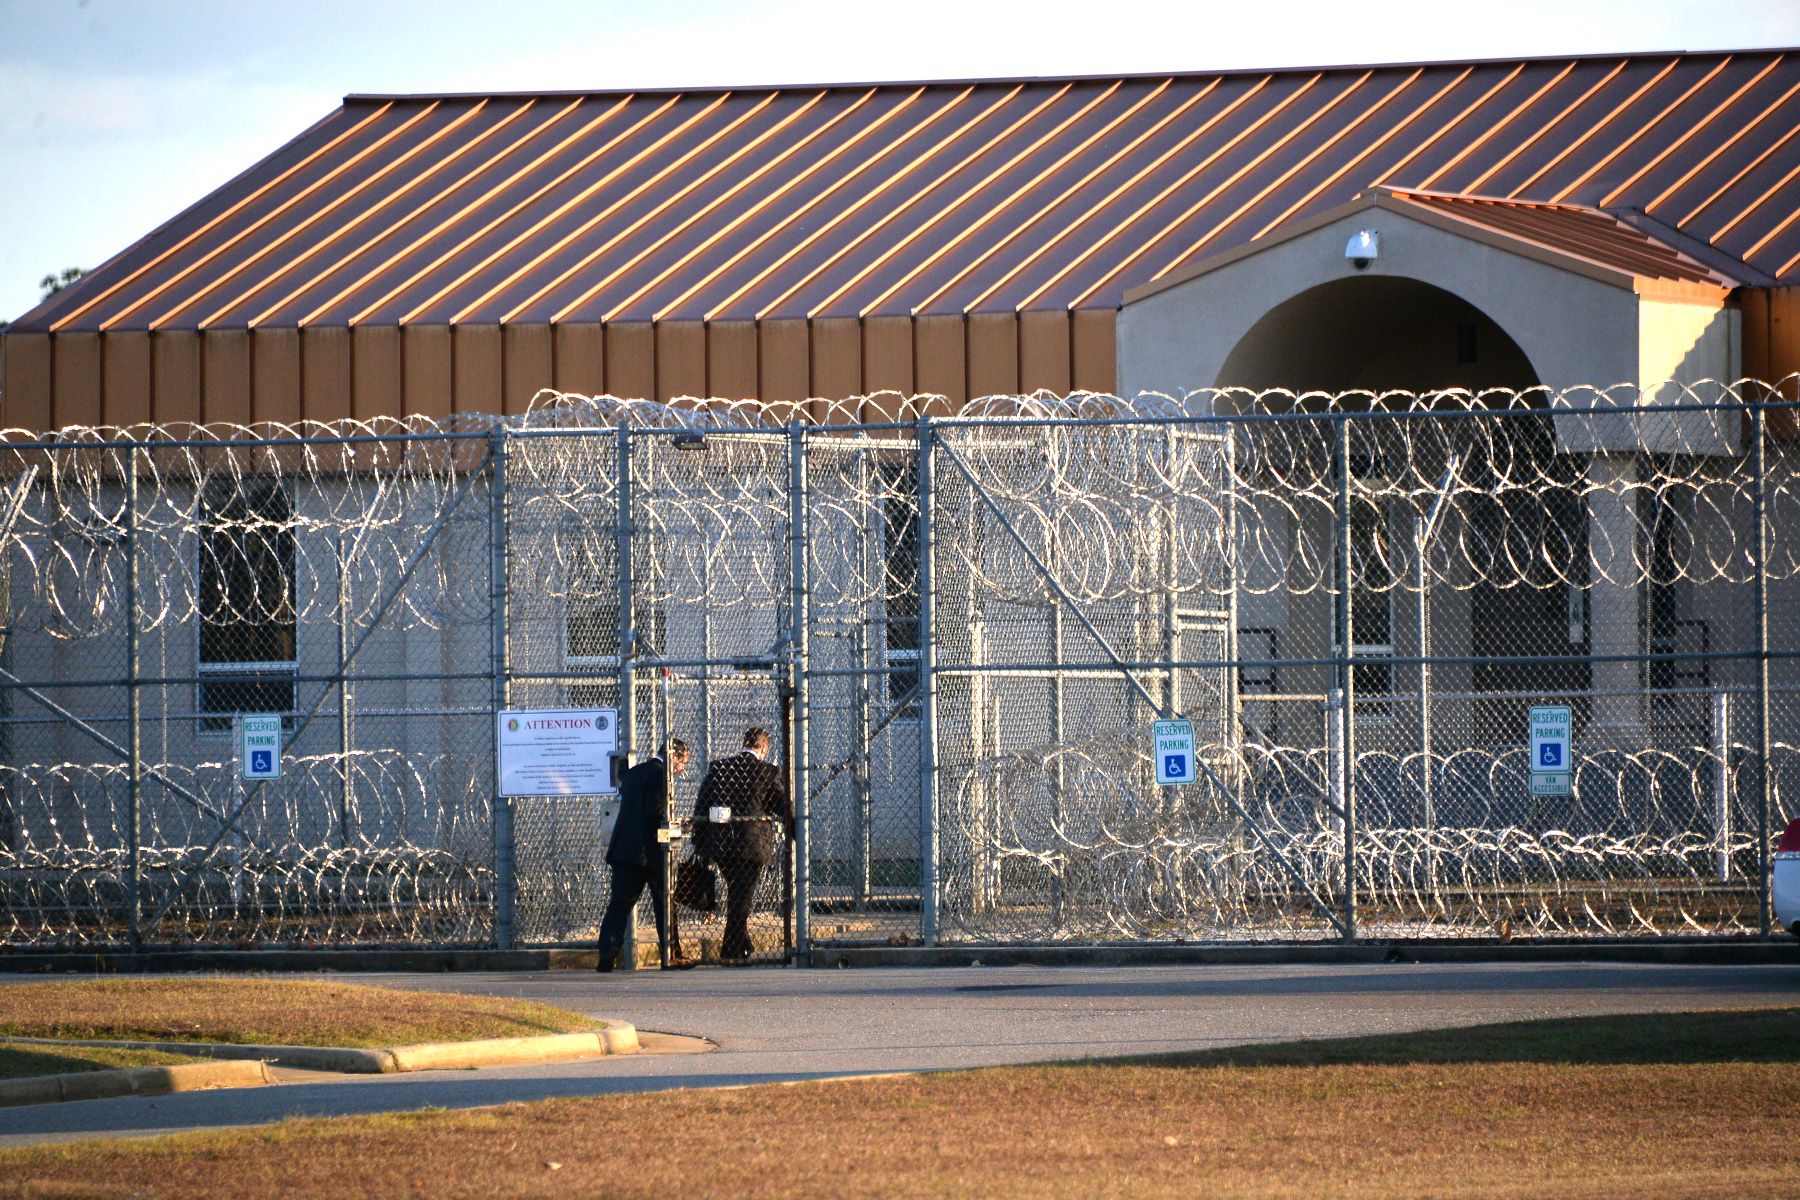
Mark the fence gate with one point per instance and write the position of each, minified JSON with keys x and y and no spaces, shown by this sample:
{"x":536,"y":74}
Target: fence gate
{"x":960,"y":627}
{"x":1081,"y":587}
{"x":708,"y":543}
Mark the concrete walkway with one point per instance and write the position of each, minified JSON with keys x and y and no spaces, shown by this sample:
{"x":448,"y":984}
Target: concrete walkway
{"x":780,"y":1024}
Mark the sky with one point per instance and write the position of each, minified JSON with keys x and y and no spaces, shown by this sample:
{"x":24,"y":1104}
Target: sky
{"x":115,"y":115}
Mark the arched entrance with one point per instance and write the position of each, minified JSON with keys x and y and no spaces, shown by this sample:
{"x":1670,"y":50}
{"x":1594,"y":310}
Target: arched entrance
{"x":1376,"y":333}
{"x":1506,"y":560}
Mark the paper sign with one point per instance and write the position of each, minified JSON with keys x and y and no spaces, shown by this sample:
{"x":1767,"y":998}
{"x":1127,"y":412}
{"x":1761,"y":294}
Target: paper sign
{"x":556,"y":751}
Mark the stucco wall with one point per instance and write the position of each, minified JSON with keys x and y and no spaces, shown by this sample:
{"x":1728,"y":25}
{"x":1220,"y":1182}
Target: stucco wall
{"x":1573,"y":329}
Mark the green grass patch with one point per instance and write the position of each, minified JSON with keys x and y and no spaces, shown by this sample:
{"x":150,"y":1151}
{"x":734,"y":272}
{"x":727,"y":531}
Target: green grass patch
{"x":1688,"y":1104}
{"x":268,"y":1010}
{"x":18,"y":1061}
{"x":1746,"y":1035}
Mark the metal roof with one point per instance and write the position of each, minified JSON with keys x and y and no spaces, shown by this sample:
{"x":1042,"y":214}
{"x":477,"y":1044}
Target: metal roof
{"x":1590,"y":241}
{"x":948,"y":197}
{"x":1575,"y":231}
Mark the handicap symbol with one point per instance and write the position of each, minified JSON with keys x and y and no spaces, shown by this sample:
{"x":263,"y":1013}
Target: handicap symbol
{"x":1175,"y":766}
{"x":261,"y":761}
{"x":1550,"y":754}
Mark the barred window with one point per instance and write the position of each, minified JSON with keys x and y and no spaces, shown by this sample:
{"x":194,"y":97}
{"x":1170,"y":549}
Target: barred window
{"x":900,"y":591}
{"x":591,"y":619}
{"x":248,"y":629}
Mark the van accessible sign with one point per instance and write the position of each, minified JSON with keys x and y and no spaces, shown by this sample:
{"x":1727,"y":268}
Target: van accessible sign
{"x":555,"y":751}
{"x":1551,"y":752}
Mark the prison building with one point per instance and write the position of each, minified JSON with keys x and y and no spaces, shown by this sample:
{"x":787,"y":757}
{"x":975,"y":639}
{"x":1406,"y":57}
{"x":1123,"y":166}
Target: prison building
{"x":1569,"y":262}
{"x":1564,"y":222}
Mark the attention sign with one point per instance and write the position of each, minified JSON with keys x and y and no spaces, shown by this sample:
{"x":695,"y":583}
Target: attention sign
{"x":555,"y":751}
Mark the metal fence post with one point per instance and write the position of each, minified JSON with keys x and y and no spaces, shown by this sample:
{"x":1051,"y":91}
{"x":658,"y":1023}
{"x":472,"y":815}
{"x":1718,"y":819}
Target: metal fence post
{"x":627,"y":649}
{"x":861,"y":751}
{"x":799,"y":613}
{"x":1764,"y":743}
{"x":346,"y":737}
{"x":505,"y":879}
{"x":1721,"y":723}
{"x":134,"y":704}
{"x":928,"y":797}
{"x":1059,"y":735}
{"x":1347,"y":673}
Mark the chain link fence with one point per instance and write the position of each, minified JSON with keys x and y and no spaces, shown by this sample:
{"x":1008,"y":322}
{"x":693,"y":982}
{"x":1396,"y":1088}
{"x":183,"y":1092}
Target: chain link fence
{"x":961,"y":629}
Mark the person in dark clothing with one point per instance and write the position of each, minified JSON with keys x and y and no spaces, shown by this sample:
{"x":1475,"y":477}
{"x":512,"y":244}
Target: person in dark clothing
{"x":635,"y":855}
{"x":741,"y":801}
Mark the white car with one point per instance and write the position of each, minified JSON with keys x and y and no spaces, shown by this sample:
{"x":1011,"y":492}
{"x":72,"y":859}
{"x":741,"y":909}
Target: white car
{"x":1787,"y":879}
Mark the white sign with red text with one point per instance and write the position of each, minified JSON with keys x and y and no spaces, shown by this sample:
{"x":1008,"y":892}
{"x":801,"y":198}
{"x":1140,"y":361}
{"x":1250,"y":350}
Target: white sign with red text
{"x":556,"y":751}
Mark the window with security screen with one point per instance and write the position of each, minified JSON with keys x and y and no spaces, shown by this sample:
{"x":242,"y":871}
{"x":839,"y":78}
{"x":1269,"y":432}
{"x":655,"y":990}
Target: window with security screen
{"x":1371,"y":567}
{"x":900,"y":591}
{"x":591,"y":619}
{"x":248,"y":628}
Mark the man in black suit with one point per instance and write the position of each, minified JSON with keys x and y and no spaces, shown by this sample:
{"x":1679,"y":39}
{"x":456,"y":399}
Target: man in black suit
{"x":741,"y":800}
{"x":635,"y":854}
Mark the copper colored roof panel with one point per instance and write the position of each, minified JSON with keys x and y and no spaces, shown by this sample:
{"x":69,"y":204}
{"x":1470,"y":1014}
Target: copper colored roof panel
{"x":948,"y":197}
{"x":1575,"y":231}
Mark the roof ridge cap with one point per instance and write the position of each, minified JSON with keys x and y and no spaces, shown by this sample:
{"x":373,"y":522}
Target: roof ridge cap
{"x":1097,"y":77}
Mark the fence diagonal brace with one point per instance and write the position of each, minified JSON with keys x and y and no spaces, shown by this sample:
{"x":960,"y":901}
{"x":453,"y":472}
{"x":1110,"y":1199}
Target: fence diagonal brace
{"x":1050,"y":578}
{"x":381,"y":610}
{"x":895,"y":708}
{"x":124,"y":755}
{"x":14,"y":507}
{"x":1131,"y":678}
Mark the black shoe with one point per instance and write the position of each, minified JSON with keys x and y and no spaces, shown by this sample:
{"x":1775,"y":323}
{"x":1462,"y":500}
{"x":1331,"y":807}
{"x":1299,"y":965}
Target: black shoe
{"x":604,"y":968}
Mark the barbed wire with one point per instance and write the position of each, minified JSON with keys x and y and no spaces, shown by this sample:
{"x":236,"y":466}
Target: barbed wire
{"x":1582,"y":548}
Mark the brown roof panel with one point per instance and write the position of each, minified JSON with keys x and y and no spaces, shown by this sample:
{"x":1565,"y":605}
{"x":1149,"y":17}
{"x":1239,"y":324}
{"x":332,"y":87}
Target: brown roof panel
{"x":270,"y":238}
{"x":495,"y":209}
{"x":603,"y":235}
{"x":559,"y":227}
{"x":356,"y":252}
{"x":1027,"y":221}
{"x":1585,"y":233}
{"x":871,"y":199}
{"x":379,"y":192}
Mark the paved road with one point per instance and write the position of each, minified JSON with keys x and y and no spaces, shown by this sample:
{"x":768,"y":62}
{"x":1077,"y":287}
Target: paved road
{"x":777,"y":1024}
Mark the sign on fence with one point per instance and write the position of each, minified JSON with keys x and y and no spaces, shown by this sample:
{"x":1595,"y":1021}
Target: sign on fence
{"x":1174,"y":741}
{"x":1550,"y":750}
{"x":556,"y":751}
{"x":259,"y":747}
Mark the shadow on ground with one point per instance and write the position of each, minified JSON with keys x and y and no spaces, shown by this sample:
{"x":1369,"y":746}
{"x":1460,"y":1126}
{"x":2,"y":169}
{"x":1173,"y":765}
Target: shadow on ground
{"x":1710,"y":1036}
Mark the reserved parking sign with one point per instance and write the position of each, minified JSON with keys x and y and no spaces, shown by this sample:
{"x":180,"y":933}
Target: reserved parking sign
{"x":1551,"y":751}
{"x":259,"y":755}
{"x":1173,"y":745}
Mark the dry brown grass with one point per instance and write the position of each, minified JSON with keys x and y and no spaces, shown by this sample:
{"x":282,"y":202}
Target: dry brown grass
{"x":18,"y":1061}
{"x":267,"y":1010}
{"x":1363,"y":1124}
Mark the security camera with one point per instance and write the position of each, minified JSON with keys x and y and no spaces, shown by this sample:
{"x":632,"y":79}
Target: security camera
{"x":1363,"y":248}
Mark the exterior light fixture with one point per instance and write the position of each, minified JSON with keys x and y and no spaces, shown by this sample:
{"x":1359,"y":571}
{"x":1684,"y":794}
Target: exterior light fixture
{"x":1363,"y":248}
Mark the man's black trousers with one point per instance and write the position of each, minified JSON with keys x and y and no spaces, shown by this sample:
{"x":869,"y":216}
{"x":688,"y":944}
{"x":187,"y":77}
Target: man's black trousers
{"x":628,"y":883}
{"x":741,"y":877}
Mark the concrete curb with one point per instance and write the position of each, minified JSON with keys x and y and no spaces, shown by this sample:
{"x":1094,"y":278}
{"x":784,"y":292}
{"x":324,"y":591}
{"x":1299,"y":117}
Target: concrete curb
{"x":109,"y":962}
{"x":132,"y":1081}
{"x":1674,"y":954}
{"x":141,"y":962}
{"x":617,"y":1038}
